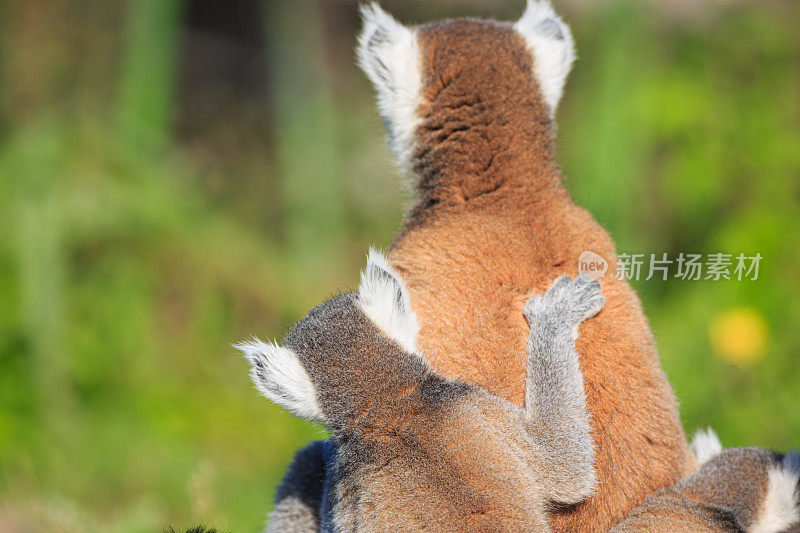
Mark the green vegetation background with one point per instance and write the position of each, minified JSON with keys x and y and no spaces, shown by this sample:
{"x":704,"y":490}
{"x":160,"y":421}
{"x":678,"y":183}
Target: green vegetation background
{"x":139,"y":239}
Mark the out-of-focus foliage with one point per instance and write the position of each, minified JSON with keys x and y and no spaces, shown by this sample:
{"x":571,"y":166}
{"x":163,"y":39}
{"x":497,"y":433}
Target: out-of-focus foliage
{"x":149,"y":218}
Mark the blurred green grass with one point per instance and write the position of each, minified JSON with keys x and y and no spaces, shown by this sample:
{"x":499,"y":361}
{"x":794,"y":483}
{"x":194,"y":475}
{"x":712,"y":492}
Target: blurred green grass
{"x":131,"y":258}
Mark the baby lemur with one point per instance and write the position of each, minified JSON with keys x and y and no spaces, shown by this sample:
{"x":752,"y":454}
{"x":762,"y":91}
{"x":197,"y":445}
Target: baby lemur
{"x":735,"y":490}
{"x":413,"y":450}
{"x":419,"y":451}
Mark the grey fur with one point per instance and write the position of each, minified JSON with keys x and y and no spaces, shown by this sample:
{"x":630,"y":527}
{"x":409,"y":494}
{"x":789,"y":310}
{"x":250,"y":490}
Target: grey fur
{"x":420,"y":451}
{"x":551,"y":28}
{"x":555,"y":398}
{"x":299,"y":498}
{"x":725,"y":495}
{"x":293,"y":515}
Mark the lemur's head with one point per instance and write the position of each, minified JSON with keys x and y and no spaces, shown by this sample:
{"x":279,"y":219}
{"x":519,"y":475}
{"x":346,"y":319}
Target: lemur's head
{"x":417,"y":450}
{"x":345,"y":355}
{"x":464,"y":63}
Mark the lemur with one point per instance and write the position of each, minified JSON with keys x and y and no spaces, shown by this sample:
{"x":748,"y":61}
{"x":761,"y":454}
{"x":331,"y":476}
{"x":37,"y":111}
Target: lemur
{"x":736,"y":490}
{"x":470,"y":108}
{"x":418,"y":451}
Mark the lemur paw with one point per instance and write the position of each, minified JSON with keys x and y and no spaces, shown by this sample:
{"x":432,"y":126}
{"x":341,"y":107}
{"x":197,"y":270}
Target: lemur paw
{"x":569,"y":302}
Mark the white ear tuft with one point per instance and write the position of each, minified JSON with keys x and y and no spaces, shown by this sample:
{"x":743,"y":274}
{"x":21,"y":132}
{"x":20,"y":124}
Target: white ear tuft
{"x":388,"y":52}
{"x":781,"y":507}
{"x":705,"y":445}
{"x":550,"y":42}
{"x":280,"y":377}
{"x":384,"y":298}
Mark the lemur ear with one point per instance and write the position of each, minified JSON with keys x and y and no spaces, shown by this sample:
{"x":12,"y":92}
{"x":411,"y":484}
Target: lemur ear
{"x":384,"y":298}
{"x":388,"y":52}
{"x":705,"y":445}
{"x":280,"y":377}
{"x":550,"y":42}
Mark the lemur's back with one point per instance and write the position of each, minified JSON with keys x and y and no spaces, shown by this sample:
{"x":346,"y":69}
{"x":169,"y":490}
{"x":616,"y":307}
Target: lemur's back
{"x":494,"y":225}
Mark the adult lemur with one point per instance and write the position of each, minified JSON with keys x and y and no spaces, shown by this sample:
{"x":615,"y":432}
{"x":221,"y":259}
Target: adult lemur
{"x":470,"y":105}
{"x":417,"y":451}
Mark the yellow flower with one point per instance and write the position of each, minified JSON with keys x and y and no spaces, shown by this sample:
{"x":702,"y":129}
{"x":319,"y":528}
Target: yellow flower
{"x":739,"y":336}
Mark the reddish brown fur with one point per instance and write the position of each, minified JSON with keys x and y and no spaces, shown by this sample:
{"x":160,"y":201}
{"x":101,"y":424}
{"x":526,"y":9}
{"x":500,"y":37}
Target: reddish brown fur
{"x":493,"y":226}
